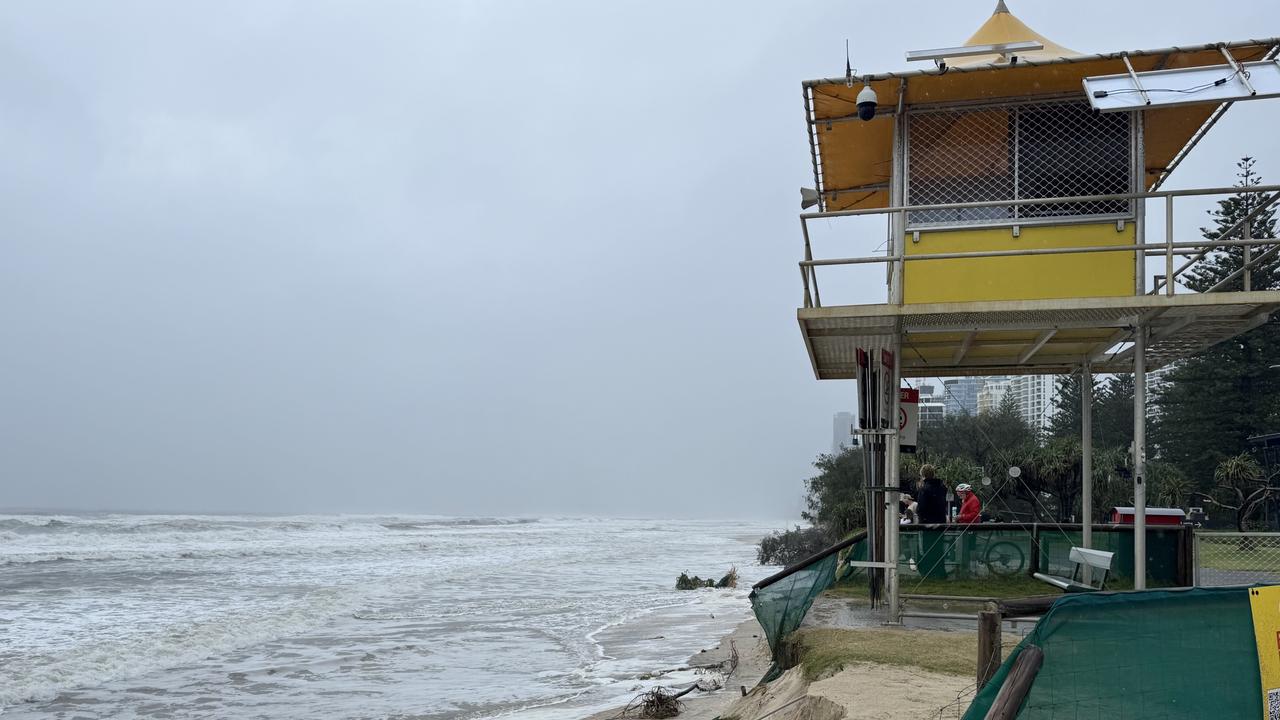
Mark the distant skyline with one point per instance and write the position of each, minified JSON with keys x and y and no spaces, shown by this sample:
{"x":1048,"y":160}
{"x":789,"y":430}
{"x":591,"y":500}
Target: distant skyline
{"x":462,"y":258}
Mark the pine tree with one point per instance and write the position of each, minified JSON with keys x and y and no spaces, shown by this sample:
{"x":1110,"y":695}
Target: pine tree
{"x":1067,"y":421}
{"x":1220,"y":264}
{"x":1217,"y":399}
{"x":1113,"y":414}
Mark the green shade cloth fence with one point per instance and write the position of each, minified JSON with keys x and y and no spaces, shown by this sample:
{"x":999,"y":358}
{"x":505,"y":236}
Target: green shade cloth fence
{"x":781,"y":601}
{"x":1185,"y":654}
{"x":995,"y":549}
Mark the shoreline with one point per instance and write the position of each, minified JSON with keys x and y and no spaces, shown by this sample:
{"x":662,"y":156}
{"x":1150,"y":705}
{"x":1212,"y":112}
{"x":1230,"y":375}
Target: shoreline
{"x":753,"y":662}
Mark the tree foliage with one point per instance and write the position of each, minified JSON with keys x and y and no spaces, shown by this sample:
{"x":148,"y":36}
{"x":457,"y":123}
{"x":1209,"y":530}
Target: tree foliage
{"x":1241,"y":484}
{"x":1213,"y":402}
{"x":1220,"y":264}
{"x":835,"y":498}
{"x":789,"y":546}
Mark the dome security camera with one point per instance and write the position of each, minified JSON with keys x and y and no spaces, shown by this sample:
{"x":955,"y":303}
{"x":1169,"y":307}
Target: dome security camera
{"x":867,"y":103}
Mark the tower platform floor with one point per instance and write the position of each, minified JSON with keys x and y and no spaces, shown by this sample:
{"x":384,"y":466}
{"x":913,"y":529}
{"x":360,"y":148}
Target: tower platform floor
{"x":1029,"y":336}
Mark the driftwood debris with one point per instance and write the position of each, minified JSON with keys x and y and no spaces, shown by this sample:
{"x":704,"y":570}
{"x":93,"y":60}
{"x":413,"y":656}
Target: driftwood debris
{"x":687,"y":582}
{"x":661,"y":702}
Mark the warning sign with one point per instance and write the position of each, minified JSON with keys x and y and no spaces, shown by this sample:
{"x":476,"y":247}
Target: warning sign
{"x":908,"y":418}
{"x":1265,"y":604}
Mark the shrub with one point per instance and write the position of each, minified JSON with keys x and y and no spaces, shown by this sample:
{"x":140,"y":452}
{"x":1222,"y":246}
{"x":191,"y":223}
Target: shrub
{"x":789,"y":546}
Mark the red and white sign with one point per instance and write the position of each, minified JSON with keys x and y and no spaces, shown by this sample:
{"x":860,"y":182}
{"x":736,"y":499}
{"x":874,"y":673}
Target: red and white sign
{"x":908,"y":418}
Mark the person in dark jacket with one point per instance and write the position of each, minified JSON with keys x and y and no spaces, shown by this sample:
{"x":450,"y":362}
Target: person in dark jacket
{"x":932,"y":497}
{"x":931,"y":508}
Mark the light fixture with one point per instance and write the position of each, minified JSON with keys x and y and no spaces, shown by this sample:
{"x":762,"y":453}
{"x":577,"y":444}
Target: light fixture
{"x":808,"y":198}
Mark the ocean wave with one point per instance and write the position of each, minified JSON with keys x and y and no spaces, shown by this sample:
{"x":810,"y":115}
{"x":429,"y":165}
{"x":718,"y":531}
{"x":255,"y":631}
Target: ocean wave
{"x":43,"y":678}
{"x":198,"y":524}
{"x":456,"y":522}
{"x":36,"y":556}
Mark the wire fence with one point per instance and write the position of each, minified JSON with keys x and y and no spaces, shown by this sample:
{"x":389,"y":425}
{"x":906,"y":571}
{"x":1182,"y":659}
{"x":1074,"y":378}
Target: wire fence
{"x":1232,"y":558}
{"x":1014,"y":152}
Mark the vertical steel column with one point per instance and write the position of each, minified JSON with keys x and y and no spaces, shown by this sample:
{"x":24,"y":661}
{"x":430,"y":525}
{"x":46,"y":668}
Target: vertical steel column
{"x":1138,"y":176}
{"x":1086,"y":461}
{"x":898,"y":226}
{"x":892,"y":480}
{"x":1140,"y":369}
{"x":1140,"y":459}
{"x":1168,"y":245}
{"x":897,"y":198}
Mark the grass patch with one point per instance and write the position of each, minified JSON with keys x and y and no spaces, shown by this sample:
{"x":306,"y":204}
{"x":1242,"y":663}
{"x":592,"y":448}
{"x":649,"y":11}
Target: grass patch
{"x":823,"y":651}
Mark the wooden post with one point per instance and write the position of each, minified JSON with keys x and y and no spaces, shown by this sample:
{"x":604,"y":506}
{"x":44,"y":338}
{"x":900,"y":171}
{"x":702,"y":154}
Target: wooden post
{"x":990,"y":651}
{"x":1016,"y":684}
{"x":1186,"y":557}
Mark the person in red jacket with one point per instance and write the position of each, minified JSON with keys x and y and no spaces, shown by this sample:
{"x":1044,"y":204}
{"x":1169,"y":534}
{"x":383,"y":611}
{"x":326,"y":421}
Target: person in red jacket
{"x":970,"y":505}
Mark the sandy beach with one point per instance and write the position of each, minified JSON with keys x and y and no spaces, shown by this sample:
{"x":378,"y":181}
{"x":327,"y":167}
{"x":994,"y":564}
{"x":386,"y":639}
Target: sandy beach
{"x":858,"y":691}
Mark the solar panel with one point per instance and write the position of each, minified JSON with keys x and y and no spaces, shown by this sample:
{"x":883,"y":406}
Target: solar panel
{"x":1184,"y":86}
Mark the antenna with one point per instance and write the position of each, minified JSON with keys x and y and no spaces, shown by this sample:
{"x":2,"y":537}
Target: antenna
{"x":848,"y":66}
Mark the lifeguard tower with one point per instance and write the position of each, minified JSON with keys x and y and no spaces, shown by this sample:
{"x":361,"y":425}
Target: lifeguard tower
{"x":1016,"y":178}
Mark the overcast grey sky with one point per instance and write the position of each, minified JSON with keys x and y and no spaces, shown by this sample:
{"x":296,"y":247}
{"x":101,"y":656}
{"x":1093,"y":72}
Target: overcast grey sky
{"x":443,"y":257}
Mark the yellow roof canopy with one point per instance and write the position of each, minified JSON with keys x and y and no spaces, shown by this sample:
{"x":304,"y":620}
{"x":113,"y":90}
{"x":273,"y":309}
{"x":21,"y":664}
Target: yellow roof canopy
{"x":856,"y":157}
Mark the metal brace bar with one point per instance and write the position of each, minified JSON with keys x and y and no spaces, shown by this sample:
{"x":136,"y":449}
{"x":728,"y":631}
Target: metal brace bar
{"x":1240,"y":73}
{"x":1039,"y":343}
{"x":1146,"y":99}
{"x":964,"y":348}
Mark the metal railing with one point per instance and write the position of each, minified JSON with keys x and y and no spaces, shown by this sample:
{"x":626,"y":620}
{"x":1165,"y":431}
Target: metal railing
{"x":1196,"y":251}
{"x":1235,"y":558}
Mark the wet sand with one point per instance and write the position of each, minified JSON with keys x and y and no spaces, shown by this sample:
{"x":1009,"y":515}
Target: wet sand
{"x":753,"y":662}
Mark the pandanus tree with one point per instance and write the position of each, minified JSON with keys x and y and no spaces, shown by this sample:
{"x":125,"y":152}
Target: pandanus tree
{"x":1242,"y":486}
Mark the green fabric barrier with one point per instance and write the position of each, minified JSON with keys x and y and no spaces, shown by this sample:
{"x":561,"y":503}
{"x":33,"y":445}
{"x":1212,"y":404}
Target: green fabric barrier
{"x":956,"y":552}
{"x":781,"y":607}
{"x":1160,"y":654}
{"x":982,"y":551}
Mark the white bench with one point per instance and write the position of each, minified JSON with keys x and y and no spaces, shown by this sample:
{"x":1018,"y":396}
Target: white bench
{"x":1082,"y":557}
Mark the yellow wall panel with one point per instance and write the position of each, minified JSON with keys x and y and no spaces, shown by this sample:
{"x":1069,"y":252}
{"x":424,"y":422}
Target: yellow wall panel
{"x":1035,"y":277}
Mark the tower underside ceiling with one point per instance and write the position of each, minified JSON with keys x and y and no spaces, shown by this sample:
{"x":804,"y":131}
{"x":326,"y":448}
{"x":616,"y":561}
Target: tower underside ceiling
{"x":1029,"y":336}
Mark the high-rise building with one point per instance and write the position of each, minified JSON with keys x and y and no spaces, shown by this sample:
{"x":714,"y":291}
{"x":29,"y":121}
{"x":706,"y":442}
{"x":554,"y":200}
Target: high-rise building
{"x":960,"y":395}
{"x":992,"y":394}
{"x":1034,"y":396}
{"x":932,"y":406}
{"x":842,"y":432}
{"x":931,"y":411}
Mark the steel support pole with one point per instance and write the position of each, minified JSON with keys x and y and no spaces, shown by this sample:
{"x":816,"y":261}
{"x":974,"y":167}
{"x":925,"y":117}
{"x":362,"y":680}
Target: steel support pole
{"x":1140,"y":459}
{"x":892,"y":479}
{"x":1139,"y":205}
{"x":897,"y":192}
{"x":1168,"y":246}
{"x":1086,"y":461}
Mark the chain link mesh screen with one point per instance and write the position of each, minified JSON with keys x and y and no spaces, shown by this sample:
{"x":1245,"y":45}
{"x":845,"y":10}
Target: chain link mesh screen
{"x":1224,"y":558}
{"x":1016,"y":152}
